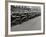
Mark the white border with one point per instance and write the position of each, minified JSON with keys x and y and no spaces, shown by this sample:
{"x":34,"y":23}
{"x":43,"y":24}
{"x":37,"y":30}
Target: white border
{"x":23,"y":32}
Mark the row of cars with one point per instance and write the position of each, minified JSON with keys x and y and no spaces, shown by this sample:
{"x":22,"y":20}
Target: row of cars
{"x":18,"y":18}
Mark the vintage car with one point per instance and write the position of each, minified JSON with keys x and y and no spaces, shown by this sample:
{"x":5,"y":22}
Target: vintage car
{"x":20,"y":18}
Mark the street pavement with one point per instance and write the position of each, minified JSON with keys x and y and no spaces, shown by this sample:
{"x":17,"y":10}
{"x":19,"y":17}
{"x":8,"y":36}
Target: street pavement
{"x":32,"y":24}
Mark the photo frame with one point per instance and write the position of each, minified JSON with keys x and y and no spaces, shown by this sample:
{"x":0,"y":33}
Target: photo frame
{"x":26,"y":18}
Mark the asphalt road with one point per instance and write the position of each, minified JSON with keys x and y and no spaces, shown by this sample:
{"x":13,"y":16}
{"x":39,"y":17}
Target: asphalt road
{"x":32,"y":24}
